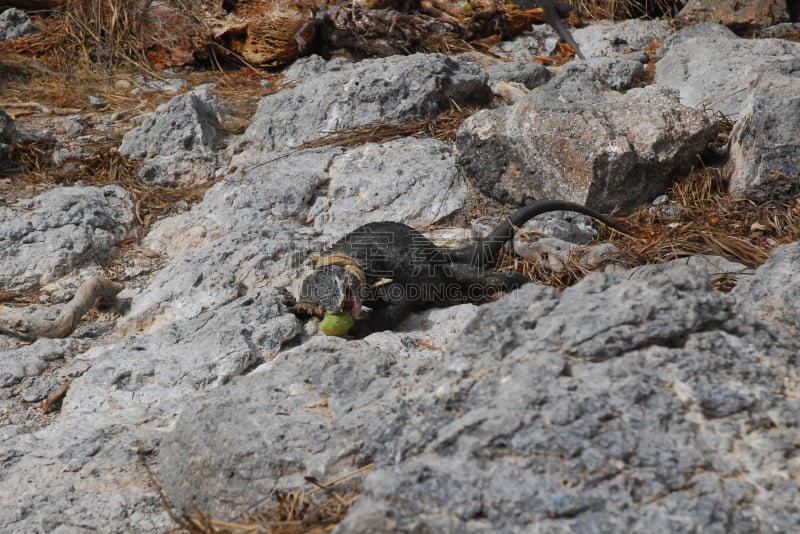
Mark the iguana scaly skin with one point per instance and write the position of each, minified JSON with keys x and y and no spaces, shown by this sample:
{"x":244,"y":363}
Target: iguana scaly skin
{"x":394,"y":270}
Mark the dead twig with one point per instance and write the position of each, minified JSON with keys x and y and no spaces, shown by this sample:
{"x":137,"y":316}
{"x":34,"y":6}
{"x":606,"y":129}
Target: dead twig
{"x":26,"y":326}
{"x":53,"y":401}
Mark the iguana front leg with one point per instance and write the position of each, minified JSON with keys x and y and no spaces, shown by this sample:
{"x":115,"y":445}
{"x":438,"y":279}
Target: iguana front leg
{"x":383,"y":318}
{"x":390,"y":307}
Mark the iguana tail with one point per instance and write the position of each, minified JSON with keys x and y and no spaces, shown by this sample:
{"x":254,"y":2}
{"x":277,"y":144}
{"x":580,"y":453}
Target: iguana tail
{"x":552,"y":16}
{"x":484,"y":252}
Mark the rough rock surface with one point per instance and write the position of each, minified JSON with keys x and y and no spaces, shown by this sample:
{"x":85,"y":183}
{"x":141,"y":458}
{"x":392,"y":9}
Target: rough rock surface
{"x":269,"y":255}
{"x":530,"y":75}
{"x":15,"y":23}
{"x":413,"y":181}
{"x":733,"y":13}
{"x":29,"y":361}
{"x":766,"y":139}
{"x":705,"y":30}
{"x":169,"y":364}
{"x":178,"y":142}
{"x":526,"y":47}
{"x":256,"y":192}
{"x":608,"y":404}
{"x":773,"y":291}
{"x":760,"y":98}
{"x":638,"y":401}
{"x":616,"y":39}
{"x":59,"y":231}
{"x":115,"y":413}
{"x":352,"y":95}
{"x":705,"y":79}
{"x":602,"y":149}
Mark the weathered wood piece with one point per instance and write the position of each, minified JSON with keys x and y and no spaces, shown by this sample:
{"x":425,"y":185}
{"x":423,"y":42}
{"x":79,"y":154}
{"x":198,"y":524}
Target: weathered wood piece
{"x":24,"y":325}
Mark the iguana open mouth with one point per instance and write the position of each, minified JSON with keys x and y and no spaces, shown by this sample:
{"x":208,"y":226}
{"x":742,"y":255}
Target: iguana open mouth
{"x":351,"y":303}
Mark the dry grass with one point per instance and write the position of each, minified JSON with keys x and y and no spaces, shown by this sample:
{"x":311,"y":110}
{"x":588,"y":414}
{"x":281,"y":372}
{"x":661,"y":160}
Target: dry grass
{"x":314,"y":510}
{"x":87,"y":33}
{"x":104,"y":36}
{"x":105,"y":166}
{"x":711,"y":222}
{"x":443,"y":127}
{"x":627,"y":9}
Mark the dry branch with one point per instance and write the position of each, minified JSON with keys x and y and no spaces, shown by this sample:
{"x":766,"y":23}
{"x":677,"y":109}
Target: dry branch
{"x":33,"y":5}
{"x":24,"y":325}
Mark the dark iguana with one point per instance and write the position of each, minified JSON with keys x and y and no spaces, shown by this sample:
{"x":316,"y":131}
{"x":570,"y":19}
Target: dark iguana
{"x":394,"y":270}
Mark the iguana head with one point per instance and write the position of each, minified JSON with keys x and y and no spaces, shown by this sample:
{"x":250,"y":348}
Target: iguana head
{"x":334,"y":289}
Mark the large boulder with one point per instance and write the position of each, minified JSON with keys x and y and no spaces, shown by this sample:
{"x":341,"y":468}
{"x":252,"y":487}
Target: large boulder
{"x":721,"y":77}
{"x":178,"y":141}
{"x":215,"y":275}
{"x":616,"y":39}
{"x":14,"y":24}
{"x":617,"y":403}
{"x":760,"y":97}
{"x":394,"y":89}
{"x":149,"y":370}
{"x":577,"y":138}
{"x":413,"y":181}
{"x":774,"y":291}
{"x":766,"y":139}
{"x":59,"y":231}
{"x":88,"y":465}
{"x":267,"y":189}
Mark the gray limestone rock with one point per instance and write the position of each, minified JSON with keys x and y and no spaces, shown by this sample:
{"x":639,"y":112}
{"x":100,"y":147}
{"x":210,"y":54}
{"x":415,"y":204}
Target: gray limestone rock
{"x":703,"y":30}
{"x":60,"y":231}
{"x":761,"y":98}
{"x":81,"y":474}
{"x":324,"y":388}
{"x":183,"y":357}
{"x":261,"y":190}
{"x":773,"y":291}
{"x":427,"y":334}
{"x":178,"y":142}
{"x":638,"y":401}
{"x":531,"y":75}
{"x":565,"y":225}
{"x":525,"y":47}
{"x":30,"y":360}
{"x":37,"y":389}
{"x":86,"y":468}
{"x":205,"y":278}
{"x":616,"y":403}
{"x":601,"y":148}
{"x":586,"y":81}
{"x":399,"y":88}
{"x":305,"y":68}
{"x":15,"y":23}
{"x":766,"y":138}
{"x":705,"y":80}
{"x":413,"y":181}
{"x":615,"y":39}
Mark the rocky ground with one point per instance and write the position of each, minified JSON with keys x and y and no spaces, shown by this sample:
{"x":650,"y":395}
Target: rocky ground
{"x":639,"y":399}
